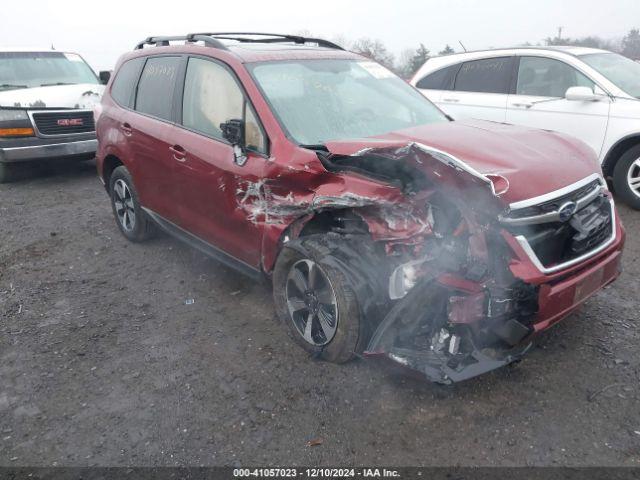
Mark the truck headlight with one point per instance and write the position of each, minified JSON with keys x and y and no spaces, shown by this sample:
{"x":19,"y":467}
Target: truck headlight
{"x":15,"y":123}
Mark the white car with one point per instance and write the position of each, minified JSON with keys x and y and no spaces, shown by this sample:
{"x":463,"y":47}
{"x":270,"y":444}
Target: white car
{"x":46,"y":108}
{"x":591,"y":94}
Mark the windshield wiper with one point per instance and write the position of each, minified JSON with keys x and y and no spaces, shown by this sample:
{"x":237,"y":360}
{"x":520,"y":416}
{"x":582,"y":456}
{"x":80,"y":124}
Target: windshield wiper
{"x":56,"y":83}
{"x":10,"y":85}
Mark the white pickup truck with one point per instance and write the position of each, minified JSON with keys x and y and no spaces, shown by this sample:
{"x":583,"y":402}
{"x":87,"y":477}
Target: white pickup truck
{"x":46,"y":108}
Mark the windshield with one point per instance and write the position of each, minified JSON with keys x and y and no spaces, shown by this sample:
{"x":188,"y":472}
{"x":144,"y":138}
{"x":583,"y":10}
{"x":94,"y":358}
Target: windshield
{"x":321,"y":100}
{"x":621,"y":71}
{"x":38,"y":69}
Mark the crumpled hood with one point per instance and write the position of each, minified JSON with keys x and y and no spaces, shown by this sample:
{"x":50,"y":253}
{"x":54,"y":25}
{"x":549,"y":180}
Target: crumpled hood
{"x":83,"y":95}
{"x":533,"y":161}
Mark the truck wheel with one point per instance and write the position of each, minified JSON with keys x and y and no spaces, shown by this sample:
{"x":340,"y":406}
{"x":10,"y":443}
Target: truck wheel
{"x":626,"y":177}
{"x":316,"y":302}
{"x":132,"y":221}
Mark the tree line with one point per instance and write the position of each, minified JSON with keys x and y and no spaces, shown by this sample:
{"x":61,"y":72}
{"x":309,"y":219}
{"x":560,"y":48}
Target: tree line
{"x":410,"y":60}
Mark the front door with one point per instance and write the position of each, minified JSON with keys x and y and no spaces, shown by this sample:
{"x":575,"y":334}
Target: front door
{"x":539,"y":101}
{"x":220,"y":200}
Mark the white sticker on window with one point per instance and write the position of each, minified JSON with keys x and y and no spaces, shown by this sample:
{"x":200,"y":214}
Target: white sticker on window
{"x":73,"y":57}
{"x":376,"y":70}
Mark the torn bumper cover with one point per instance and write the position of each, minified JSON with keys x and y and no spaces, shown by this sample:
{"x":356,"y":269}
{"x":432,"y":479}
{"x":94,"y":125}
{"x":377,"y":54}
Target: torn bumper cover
{"x":439,"y":334}
{"x":469,"y":301}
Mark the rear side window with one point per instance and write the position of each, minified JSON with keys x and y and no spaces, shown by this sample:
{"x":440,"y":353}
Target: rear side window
{"x":547,"y":77}
{"x":155,"y":89}
{"x":491,"y":75}
{"x":125,"y":82}
{"x":211,"y":97}
{"x":438,"y":80}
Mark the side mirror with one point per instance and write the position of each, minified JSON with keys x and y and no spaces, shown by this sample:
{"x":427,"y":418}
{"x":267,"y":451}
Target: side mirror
{"x":233,"y":132}
{"x":104,"y":76}
{"x":581,"y":94}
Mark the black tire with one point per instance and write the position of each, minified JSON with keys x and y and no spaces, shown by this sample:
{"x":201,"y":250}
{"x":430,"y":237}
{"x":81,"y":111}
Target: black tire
{"x":7,"y":172}
{"x":350,"y":333}
{"x":621,"y":171}
{"x":141,"y":228}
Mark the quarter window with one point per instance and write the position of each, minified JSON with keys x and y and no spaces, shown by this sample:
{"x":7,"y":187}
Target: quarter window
{"x":490,"y":75}
{"x":125,"y":82}
{"x":211,"y":97}
{"x":155,"y":89}
{"x":546,"y":77}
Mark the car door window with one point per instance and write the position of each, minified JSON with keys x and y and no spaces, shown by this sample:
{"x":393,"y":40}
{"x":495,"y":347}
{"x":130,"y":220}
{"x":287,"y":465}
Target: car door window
{"x":547,"y":77}
{"x":490,"y":75}
{"x":211,"y":97}
{"x":155,"y":89}
{"x":438,"y":80}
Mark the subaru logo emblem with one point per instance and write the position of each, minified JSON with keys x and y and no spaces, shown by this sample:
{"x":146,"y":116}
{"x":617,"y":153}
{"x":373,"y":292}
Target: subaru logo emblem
{"x":566,"y":211}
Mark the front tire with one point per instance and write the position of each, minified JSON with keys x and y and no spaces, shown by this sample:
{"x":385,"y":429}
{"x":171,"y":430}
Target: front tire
{"x":131,"y":219}
{"x":316,"y":302}
{"x":7,"y":172}
{"x":626,"y":177}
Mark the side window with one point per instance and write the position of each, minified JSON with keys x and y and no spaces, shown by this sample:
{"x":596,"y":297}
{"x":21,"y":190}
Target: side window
{"x":125,"y":82}
{"x":491,"y":75}
{"x":211,"y":97}
{"x":546,"y":77}
{"x":155,"y":89}
{"x":438,"y":80}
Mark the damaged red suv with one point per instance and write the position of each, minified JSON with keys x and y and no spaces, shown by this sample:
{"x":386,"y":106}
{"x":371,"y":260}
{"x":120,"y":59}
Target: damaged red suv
{"x":385,"y":226}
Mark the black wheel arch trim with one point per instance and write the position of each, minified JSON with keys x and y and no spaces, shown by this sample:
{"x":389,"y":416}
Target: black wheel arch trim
{"x":610,"y":159}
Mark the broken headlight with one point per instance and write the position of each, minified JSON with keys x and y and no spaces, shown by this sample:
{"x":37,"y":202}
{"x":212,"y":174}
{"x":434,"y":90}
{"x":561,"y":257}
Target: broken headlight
{"x":403,"y":279}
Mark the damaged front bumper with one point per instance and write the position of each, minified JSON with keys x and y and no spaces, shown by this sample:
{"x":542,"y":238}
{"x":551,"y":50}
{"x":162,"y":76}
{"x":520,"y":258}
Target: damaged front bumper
{"x":449,"y":336}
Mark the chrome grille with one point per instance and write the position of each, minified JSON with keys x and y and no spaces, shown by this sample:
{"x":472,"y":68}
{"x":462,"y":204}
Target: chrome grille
{"x":60,"y":123}
{"x":555,"y":240}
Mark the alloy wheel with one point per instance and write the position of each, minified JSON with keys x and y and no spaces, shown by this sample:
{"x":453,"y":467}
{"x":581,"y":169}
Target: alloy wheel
{"x":123,"y":202}
{"x":633,"y":177}
{"x":312,"y":303}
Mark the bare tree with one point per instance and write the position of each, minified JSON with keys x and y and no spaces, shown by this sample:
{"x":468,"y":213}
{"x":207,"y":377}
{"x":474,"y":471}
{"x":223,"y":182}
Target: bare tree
{"x":375,"y":50}
{"x":631,"y":44}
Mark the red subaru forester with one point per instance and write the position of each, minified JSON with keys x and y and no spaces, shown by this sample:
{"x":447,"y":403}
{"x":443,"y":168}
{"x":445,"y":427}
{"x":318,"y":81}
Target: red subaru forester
{"x":386,"y":227}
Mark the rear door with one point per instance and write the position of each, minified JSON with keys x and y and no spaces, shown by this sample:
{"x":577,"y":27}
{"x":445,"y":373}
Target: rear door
{"x":220,"y":201}
{"x":438,"y":83}
{"x":538,"y":101}
{"x":149,"y":129}
{"x":480,"y":90}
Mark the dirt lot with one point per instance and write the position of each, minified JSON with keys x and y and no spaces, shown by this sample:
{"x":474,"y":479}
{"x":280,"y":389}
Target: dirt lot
{"x":104,"y":361}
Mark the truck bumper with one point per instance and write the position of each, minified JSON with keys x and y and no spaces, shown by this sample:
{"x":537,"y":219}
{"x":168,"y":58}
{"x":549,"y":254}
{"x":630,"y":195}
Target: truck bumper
{"x":79,"y":149}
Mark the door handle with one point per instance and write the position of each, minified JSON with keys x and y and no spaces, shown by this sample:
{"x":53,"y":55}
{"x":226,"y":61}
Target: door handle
{"x":450,"y":100}
{"x":126,"y":129}
{"x":523,"y":104}
{"x":178,"y":152}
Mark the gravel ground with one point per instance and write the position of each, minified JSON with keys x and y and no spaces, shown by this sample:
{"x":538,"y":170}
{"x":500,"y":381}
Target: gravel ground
{"x":104,"y":360}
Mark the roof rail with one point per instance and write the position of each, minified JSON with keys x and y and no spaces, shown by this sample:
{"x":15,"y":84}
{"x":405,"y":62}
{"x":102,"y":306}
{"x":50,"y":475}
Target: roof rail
{"x":272,"y":38}
{"x":213,"y":39}
{"x":164,"y":41}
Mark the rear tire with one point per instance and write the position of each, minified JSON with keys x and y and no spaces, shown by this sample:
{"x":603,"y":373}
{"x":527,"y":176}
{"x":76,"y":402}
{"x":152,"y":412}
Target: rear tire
{"x":132,"y":220}
{"x":626,"y":177}
{"x":348,"y":334}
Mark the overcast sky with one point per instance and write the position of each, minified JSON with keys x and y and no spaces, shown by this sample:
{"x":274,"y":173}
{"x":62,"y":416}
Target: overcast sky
{"x":101,"y":31}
